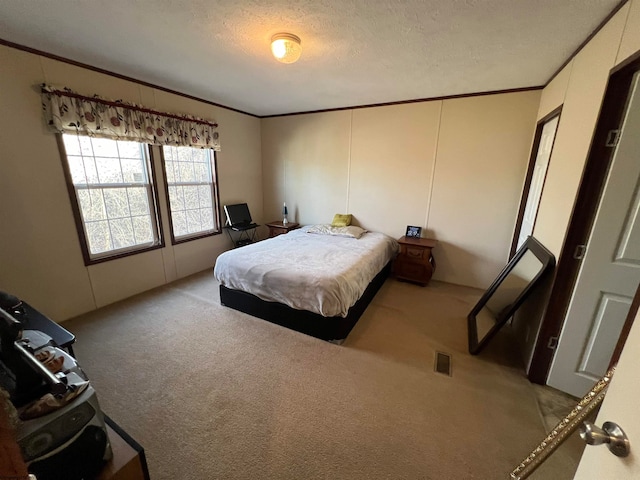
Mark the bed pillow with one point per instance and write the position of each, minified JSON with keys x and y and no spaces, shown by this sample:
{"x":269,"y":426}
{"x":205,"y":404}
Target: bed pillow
{"x":351,"y":231}
{"x":341,"y":220}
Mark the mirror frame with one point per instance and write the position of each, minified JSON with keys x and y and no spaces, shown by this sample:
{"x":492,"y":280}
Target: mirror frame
{"x":547,"y":260}
{"x":569,"y":424}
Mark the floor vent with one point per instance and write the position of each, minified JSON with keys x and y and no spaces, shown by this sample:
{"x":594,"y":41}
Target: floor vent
{"x":443,"y":363}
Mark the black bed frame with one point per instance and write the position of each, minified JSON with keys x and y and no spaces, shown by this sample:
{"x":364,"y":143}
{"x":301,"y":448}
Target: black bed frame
{"x":333,"y":329}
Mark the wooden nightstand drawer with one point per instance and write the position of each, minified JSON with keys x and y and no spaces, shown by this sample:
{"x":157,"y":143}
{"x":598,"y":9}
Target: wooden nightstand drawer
{"x":415,"y":253}
{"x":411,"y":271}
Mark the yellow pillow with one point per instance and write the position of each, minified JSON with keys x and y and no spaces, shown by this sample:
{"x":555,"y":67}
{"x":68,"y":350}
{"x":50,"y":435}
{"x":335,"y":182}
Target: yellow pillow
{"x":340,"y":220}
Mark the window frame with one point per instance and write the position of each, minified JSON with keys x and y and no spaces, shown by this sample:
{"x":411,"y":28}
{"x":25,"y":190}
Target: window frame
{"x":215,"y":197}
{"x":90,"y":259}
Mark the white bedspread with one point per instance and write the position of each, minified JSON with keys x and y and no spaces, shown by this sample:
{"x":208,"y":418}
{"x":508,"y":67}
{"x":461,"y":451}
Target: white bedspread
{"x":319,"y":273}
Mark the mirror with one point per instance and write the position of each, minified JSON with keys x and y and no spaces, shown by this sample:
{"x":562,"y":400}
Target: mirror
{"x":507,"y":292}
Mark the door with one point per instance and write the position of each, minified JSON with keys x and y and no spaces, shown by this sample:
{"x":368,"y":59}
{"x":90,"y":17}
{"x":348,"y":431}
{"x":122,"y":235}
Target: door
{"x":538,"y":176}
{"x":618,"y":406}
{"x":610,"y":270}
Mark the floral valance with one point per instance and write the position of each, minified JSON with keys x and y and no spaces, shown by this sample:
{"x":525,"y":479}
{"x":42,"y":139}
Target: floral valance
{"x":68,"y":112}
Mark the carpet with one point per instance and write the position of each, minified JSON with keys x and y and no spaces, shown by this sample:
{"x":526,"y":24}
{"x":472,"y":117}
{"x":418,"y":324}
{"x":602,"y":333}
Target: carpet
{"x":212,"y":393}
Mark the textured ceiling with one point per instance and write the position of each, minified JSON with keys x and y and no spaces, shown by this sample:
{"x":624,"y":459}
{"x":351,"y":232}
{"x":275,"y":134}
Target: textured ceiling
{"x":355,"y":52}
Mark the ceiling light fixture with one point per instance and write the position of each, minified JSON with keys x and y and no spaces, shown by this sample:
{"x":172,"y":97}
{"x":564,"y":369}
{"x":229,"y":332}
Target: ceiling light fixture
{"x":286,"y":47}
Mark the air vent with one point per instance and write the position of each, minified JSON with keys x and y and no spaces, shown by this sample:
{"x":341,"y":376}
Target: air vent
{"x":443,"y":363}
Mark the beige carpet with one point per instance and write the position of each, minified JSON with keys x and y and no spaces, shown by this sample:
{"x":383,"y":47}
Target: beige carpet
{"x":212,"y":393}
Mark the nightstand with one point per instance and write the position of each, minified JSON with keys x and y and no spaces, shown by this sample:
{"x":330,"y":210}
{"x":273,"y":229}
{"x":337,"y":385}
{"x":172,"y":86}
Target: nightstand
{"x":415,"y":263}
{"x":278,"y":228}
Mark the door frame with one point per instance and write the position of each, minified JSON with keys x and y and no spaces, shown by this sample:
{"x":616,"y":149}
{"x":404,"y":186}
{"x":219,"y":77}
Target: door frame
{"x":529,"y":177}
{"x":582,"y":217}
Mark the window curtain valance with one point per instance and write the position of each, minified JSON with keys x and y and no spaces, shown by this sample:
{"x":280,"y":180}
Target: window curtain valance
{"x":68,"y":112}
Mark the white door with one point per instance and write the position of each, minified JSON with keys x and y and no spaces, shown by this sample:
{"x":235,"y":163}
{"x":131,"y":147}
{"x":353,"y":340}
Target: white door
{"x":620,"y":406}
{"x":610,"y":270}
{"x":537,"y":178}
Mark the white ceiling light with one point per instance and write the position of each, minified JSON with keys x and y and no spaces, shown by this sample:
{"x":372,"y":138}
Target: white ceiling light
{"x":286,"y":47}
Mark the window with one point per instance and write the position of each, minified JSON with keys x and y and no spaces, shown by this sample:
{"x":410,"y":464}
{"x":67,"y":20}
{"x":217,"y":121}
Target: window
{"x":192,"y":191}
{"x":113,"y":196}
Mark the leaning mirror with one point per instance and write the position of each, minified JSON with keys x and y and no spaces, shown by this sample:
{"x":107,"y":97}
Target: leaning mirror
{"x":507,"y":292}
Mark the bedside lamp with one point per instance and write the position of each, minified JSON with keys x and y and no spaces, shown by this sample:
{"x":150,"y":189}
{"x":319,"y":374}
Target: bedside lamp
{"x":284,"y":213}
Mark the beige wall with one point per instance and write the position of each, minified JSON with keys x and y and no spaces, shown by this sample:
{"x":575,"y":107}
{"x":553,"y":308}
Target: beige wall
{"x":310,"y":175}
{"x":580,"y":99}
{"x":580,"y":89}
{"x":391,"y":169}
{"x":39,"y":248}
{"x":454,"y":167}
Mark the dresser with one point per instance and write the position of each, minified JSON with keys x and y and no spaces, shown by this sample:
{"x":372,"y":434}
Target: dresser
{"x":278,"y":228}
{"x":415,"y":263}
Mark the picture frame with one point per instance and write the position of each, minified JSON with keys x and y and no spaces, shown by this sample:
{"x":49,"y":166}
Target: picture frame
{"x":413,"y":232}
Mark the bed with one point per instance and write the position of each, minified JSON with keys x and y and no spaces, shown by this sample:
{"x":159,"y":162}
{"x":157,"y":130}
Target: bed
{"x":317,"y":279}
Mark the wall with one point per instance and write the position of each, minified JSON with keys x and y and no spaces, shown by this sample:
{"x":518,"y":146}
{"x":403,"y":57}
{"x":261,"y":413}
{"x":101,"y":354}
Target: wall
{"x":580,"y":89}
{"x":39,"y":249}
{"x":581,"y":99}
{"x":455,"y":167}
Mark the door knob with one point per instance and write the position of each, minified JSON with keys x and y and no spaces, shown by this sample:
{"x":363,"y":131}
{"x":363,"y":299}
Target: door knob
{"x":610,"y":433}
